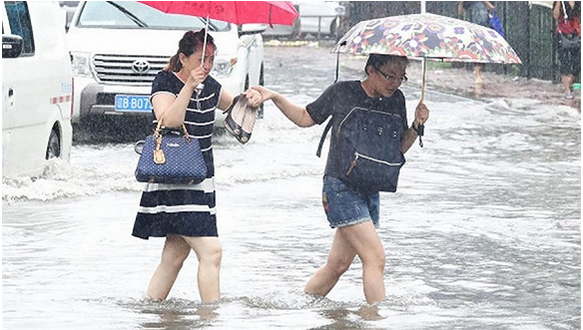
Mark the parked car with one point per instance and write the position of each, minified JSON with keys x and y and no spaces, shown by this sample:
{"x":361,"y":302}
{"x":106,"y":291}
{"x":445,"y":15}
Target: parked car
{"x":118,"y":47}
{"x":317,"y":18}
{"x":36,"y":87}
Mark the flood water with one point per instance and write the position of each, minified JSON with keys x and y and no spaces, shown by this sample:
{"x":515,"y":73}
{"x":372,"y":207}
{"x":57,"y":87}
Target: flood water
{"x":484,"y":231}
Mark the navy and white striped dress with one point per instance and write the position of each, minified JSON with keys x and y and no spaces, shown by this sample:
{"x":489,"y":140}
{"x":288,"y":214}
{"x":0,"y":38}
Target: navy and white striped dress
{"x":187,"y":210}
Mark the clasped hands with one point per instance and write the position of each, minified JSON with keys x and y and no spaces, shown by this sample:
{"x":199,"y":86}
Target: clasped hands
{"x":254,"y":96}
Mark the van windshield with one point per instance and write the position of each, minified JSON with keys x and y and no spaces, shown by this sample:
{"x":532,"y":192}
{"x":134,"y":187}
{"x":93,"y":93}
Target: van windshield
{"x":135,"y":15}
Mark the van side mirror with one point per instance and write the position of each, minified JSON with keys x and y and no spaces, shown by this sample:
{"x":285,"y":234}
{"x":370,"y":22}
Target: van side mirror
{"x":11,"y":46}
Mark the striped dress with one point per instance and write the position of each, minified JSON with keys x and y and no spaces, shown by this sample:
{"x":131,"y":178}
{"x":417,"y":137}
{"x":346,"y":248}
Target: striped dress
{"x":187,"y":210}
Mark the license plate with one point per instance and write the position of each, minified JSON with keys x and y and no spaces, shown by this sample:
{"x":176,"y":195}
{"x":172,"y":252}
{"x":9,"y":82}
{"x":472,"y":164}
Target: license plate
{"x":132,"y":103}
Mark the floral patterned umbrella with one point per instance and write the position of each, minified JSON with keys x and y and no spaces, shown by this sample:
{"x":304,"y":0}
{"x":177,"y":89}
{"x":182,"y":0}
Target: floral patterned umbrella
{"x":427,"y":37}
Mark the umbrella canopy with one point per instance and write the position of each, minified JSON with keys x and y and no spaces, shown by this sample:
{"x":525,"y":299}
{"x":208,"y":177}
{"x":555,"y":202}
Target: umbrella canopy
{"x":236,"y":12}
{"x":427,"y":36}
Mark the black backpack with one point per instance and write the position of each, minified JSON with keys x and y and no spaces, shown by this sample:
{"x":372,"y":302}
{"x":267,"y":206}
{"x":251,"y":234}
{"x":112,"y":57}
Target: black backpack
{"x":369,"y":143}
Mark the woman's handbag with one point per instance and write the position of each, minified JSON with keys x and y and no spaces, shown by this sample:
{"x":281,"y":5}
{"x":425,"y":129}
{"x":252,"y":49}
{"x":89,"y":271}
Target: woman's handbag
{"x":573,"y":39}
{"x":568,"y":41}
{"x":171,"y":157}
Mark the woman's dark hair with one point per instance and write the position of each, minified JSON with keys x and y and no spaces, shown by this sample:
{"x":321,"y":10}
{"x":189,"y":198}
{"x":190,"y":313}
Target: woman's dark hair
{"x":190,"y":43}
{"x":378,"y":60}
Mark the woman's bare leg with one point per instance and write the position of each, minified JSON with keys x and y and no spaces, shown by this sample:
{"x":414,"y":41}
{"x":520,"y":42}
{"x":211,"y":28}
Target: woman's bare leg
{"x":362,"y":240}
{"x":339,"y":260}
{"x":366,"y":242}
{"x":209,"y":253}
{"x":567,"y":81}
{"x":478,"y":74}
{"x":174,"y":253}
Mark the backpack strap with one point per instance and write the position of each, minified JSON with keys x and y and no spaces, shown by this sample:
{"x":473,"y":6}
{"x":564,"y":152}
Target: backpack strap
{"x":323,"y":138}
{"x":566,"y":16}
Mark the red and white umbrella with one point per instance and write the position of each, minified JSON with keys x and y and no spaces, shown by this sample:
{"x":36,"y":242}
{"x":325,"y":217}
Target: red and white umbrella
{"x":236,"y":12}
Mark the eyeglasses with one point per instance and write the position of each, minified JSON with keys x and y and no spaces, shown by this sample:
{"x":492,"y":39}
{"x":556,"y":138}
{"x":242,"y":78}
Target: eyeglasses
{"x":392,"y":78}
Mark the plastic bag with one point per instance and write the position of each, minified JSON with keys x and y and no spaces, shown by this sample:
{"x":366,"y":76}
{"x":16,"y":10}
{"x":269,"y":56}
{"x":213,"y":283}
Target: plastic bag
{"x":496,"y":23}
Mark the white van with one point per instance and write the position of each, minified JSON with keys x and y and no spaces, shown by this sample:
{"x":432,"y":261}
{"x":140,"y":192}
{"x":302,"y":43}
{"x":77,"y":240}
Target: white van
{"x":36,"y":87}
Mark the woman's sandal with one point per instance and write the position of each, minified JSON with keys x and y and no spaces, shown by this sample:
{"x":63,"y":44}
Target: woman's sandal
{"x":240,"y":119}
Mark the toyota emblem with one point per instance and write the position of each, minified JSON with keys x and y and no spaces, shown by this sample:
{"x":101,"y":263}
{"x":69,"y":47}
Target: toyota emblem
{"x":141,"y":66}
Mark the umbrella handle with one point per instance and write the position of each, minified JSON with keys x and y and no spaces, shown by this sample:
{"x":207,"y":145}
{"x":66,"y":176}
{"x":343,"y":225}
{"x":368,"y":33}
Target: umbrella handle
{"x":206,"y":32}
{"x":421,"y":127}
{"x":200,"y":86}
{"x":424,"y":64}
{"x":338,"y":61}
{"x":337,"y":66}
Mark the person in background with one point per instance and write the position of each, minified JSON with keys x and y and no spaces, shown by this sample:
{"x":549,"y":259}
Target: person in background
{"x":568,"y":16}
{"x":477,"y":14}
{"x":354,"y":214}
{"x":185,"y":214}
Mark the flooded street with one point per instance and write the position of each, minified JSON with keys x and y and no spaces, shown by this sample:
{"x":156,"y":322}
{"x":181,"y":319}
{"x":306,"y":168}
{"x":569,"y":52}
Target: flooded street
{"x":484,"y":231}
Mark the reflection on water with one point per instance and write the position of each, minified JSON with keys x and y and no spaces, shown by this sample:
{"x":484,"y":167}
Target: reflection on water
{"x":175,"y":314}
{"x":483,"y":233}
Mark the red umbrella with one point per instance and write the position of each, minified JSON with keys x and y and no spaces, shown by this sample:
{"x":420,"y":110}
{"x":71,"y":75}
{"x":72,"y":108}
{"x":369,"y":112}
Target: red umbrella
{"x":236,"y":12}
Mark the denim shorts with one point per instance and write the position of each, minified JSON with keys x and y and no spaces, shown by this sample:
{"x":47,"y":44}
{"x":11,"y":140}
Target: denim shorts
{"x":345,"y":206}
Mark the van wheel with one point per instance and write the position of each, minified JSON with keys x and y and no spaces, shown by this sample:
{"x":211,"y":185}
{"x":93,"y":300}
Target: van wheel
{"x":54,"y":146}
